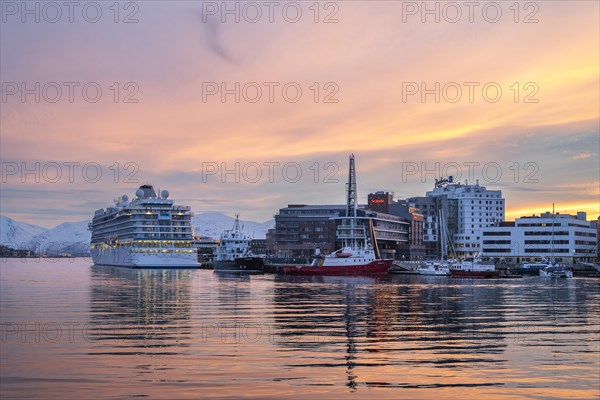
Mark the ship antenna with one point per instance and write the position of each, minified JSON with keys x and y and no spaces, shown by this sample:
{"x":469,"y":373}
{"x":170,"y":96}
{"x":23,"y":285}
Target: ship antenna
{"x":236,"y":224}
{"x":351,"y":204}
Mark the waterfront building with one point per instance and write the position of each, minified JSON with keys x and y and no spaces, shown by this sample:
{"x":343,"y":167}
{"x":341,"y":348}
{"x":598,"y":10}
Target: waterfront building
{"x":597,"y":224}
{"x":258,"y":246}
{"x":270,"y":242}
{"x":563,"y":237}
{"x":411,"y":247}
{"x":465,"y":209}
{"x":391,"y":231}
{"x":429,"y":206}
{"x":414,"y":250}
{"x":301,"y":229}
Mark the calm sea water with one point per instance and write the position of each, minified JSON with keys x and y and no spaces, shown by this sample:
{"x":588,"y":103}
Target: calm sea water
{"x":71,"y":331}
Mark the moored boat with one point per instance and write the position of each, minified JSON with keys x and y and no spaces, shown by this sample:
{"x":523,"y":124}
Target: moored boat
{"x":249,"y":264}
{"x":509,"y":274}
{"x":439,"y":268}
{"x":554,"y":270}
{"x":354,"y":262}
{"x":234,"y":255}
{"x":530,"y":268}
{"x":149,"y":231}
{"x":473,"y":269}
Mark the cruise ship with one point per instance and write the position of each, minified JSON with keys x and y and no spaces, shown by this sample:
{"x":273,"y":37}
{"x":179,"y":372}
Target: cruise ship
{"x":147,"y":232}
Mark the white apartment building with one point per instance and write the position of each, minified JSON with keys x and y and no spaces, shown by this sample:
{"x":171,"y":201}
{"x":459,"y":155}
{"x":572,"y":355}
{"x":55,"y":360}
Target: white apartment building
{"x":468,"y":209}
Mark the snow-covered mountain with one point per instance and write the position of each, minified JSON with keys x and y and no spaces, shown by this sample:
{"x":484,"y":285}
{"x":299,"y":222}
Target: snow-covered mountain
{"x":74,"y":237}
{"x":17,"y":235}
{"x":68,"y":237}
{"x":214,"y":223}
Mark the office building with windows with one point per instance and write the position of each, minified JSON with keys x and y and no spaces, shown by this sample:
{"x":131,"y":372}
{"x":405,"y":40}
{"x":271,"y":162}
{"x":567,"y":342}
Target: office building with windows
{"x":564,"y":237}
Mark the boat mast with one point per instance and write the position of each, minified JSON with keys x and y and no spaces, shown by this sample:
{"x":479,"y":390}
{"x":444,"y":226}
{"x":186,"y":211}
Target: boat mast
{"x":374,"y":244}
{"x":552,"y":246}
{"x":442,"y":234}
{"x":236,"y":224}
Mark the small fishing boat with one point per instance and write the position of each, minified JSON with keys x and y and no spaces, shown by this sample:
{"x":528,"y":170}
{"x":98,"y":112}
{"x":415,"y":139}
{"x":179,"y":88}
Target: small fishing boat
{"x":474,"y":268}
{"x":439,"y":268}
{"x":554,"y":270}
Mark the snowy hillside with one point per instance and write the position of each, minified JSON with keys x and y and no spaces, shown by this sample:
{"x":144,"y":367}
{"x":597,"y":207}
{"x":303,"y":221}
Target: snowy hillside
{"x":68,"y":237}
{"x":17,"y":234}
{"x":214,"y":223}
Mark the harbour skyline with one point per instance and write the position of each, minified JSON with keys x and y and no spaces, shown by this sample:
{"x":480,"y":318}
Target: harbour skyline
{"x":96,"y":195}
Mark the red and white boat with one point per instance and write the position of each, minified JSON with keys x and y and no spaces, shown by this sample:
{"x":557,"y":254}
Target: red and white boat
{"x":357,"y":256}
{"x":473,"y":269}
{"x":346,"y":261}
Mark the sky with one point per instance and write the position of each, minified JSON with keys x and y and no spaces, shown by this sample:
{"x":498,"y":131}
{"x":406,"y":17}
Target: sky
{"x":246,"y":107}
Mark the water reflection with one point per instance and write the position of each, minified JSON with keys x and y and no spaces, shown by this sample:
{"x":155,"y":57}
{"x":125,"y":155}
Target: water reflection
{"x":190,"y":334}
{"x":322,"y":314}
{"x":137,"y":308}
{"x":413,"y":322}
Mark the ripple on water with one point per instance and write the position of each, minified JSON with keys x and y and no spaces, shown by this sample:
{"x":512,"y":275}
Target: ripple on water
{"x":186,"y":333}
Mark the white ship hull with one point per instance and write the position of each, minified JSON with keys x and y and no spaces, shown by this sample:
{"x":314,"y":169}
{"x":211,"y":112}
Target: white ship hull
{"x":125,"y":257}
{"x":429,"y":271}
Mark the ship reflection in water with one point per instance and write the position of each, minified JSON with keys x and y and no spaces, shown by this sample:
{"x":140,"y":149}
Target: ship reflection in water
{"x":145,"y":309}
{"x":195,"y":334}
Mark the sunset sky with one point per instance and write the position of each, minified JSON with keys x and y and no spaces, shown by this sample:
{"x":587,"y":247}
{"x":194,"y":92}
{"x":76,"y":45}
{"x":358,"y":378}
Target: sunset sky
{"x":367,"y":58}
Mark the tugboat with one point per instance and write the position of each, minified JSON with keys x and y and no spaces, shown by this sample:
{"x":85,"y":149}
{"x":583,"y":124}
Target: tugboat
{"x":357,"y":256}
{"x":234,"y":255}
